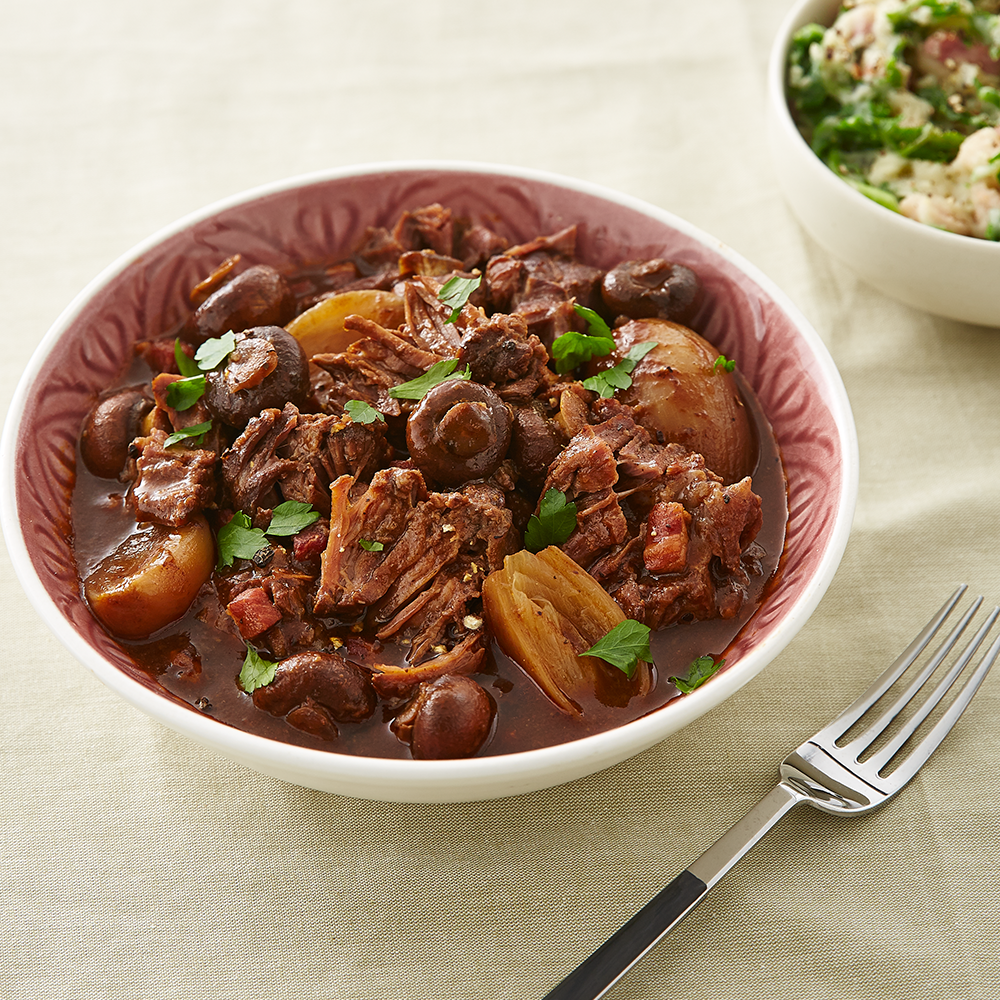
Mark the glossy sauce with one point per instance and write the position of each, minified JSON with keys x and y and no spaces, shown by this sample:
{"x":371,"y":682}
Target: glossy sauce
{"x":199,"y":665}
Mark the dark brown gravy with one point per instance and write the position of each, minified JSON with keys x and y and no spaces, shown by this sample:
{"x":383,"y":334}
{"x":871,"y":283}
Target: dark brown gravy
{"x":204,"y":674}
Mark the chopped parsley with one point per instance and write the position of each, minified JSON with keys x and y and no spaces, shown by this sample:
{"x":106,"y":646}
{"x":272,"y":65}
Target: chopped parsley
{"x":185,"y":364}
{"x":572,"y":349}
{"x":440,"y":371}
{"x":700,"y":670}
{"x":197,"y":431}
{"x":370,"y":546}
{"x":455,"y":292}
{"x":623,"y":647}
{"x":726,"y":364}
{"x":214,"y":351}
{"x":183,"y":393}
{"x":620,"y":376}
{"x":553,"y":523}
{"x":257,"y":672}
{"x":186,"y":391}
{"x":290,"y":517}
{"x":361,"y":412}
{"x":238,"y":539}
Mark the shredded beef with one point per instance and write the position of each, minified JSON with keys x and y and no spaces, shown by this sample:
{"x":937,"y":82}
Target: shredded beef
{"x":324,"y":448}
{"x":379,"y":361}
{"x":436,"y":549}
{"x":251,"y":466}
{"x":659,"y":531}
{"x":540,"y":281}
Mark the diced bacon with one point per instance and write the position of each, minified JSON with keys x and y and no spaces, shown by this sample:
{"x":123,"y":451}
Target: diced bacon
{"x":666,"y":538}
{"x":253,"y":612}
{"x":311,"y":541}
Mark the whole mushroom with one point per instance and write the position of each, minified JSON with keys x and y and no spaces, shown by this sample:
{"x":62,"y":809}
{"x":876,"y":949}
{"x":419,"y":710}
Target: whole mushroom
{"x":656,"y":288}
{"x":450,"y":717}
{"x":111,"y":426}
{"x":258,"y":296}
{"x":268,"y":368}
{"x":459,"y":432}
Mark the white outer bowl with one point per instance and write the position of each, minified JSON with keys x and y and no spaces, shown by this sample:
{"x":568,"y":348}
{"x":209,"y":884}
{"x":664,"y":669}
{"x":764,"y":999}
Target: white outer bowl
{"x":957,"y":277}
{"x":35,"y":538}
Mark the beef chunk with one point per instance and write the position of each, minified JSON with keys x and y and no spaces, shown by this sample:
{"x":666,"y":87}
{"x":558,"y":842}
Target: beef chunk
{"x":252,"y":466}
{"x":324,"y":448}
{"x":436,"y":549}
{"x":428,"y":228}
{"x":476,"y":244}
{"x":657,"y":529}
{"x":540,"y":281}
{"x":172,"y":484}
{"x":501,"y":353}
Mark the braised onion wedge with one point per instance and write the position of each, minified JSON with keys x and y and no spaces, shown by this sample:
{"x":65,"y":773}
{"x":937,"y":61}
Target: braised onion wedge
{"x":320,"y":329}
{"x":544,"y":611}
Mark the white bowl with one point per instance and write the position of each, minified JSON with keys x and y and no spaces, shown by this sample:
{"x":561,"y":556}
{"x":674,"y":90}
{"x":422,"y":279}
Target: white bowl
{"x":312,"y":217}
{"x":957,"y":277}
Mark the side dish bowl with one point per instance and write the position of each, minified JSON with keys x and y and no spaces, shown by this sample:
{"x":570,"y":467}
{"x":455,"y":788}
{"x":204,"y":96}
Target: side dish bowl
{"x":314,"y":217}
{"x":943,"y":273}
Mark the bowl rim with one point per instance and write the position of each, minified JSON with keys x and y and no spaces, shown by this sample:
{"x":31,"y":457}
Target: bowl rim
{"x":608,"y":746}
{"x":903,"y":226}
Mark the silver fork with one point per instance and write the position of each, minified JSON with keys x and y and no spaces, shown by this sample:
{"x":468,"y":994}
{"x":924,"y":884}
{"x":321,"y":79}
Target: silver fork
{"x":828,"y":772}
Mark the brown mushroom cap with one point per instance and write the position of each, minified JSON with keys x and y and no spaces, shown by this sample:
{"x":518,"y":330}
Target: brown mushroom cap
{"x":267,"y":369}
{"x":656,"y":288}
{"x":258,"y":296}
{"x":459,"y":432}
{"x":453,"y":718}
{"x":110,"y":428}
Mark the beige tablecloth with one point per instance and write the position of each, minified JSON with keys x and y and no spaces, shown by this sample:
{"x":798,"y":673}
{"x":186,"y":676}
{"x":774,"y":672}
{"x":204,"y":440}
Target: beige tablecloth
{"x":133,"y":864}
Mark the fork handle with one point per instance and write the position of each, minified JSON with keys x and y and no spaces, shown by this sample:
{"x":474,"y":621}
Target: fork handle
{"x":598,"y":973}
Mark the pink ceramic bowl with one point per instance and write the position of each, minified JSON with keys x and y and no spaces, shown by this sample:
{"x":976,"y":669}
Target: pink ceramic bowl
{"x":313,"y":217}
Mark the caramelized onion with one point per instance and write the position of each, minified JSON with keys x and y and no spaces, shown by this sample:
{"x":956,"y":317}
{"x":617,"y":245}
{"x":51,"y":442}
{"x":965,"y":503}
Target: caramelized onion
{"x":544,"y":611}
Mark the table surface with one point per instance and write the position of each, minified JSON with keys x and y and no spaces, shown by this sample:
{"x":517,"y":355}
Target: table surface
{"x":137,"y":865}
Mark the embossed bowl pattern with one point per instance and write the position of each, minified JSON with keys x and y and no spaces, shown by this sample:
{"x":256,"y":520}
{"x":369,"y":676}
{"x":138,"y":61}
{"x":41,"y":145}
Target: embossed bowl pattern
{"x":315,"y":217}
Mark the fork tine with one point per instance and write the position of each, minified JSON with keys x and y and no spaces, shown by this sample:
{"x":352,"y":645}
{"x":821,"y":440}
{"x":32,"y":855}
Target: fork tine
{"x":860,"y":743}
{"x":838,"y":726}
{"x":879,"y":760}
{"x":942,"y":727}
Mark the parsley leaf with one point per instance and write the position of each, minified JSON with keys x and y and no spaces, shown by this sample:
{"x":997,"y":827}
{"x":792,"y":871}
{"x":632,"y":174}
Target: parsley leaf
{"x":370,"y":546}
{"x":214,"y":351}
{"x":196,"y":431}
{"x":184,"y":363}
{"x":290,"y":517}
{"x":726,"y":364}
{"x":623,"y":647}
{"x":596,"y":326}
{"x":700,"y":670}
{"x":237,"y":539}
{"x":440,"y":371}
{"x":183,"y":393}
{"x":455,"y":292}
{"x":553,"y":523}
{"x":571,"y":349}
{"x":361,"y":412}
{"x":257,"y":672}
{"x":620,"y":376}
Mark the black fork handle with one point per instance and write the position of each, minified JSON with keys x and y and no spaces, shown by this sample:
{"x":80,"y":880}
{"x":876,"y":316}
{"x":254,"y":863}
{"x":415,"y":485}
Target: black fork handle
{"x":598,"y":973}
